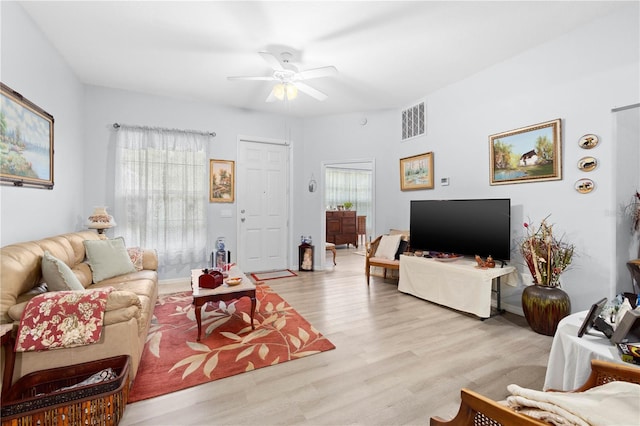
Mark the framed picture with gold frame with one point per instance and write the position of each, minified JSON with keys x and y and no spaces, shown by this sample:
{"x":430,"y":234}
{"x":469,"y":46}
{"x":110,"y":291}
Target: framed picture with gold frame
{"x":26,"y":141}
{"x":416,"y":172}
{"x":528,"y":154}
{"x":221,"y":181}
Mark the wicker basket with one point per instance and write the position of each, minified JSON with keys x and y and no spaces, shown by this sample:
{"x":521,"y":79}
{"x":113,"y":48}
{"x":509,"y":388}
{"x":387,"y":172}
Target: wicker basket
{"x":35,"y":399}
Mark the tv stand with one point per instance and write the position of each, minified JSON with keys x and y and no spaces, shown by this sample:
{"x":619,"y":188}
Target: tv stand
{"x":457,"y":284}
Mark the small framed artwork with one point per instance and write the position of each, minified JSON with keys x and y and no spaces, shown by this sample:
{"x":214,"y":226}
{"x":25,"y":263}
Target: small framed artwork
{"x":26,"y":141}
{"x":416,"y":172}
{"x":528,"y":154}
{"x":221,"y":181}
{"x":587,"y":164}
{"x":584,"y":186}
{"x":588,"y":141}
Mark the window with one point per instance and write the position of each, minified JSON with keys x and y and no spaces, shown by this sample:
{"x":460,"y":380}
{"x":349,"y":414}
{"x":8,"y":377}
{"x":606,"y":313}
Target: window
{"x":353,"y":185}
{"x":161,"y":192}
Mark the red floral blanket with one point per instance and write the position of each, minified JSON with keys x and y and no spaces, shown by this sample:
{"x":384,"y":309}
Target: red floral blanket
{"x":62,"y":319}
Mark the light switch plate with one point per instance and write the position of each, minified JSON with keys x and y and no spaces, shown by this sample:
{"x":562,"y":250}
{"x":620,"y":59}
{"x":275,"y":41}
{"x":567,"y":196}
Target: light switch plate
{"x":444,"y":181}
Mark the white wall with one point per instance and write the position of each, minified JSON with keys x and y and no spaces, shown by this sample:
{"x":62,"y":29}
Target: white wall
{"x":108,"y":106}
{"x":578,"y":78}
{"x":33,"y":68}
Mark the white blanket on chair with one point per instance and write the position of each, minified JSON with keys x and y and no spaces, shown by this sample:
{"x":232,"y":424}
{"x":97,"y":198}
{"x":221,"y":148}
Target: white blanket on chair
{"x":614,"y":403}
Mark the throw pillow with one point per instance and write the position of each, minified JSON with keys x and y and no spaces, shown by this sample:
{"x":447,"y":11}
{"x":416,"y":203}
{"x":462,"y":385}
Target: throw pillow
{"x":136,"y":254}
{"x":108,"y":258}
{"x":58,"y":275}
{"x":388,"y":246}
{"x":402,"y":247}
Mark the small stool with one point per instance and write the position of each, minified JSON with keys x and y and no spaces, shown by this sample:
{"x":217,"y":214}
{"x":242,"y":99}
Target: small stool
{"x":332,"y":247}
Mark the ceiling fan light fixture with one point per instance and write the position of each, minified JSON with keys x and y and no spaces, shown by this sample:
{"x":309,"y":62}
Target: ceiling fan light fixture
{"x":285,"y":90}
{"x":278,"y":91}
{"x":288,"y":80}
{"x":292,"y":91}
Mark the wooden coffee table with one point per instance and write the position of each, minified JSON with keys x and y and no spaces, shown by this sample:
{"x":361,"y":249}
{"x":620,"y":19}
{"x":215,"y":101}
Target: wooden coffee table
{"x":224,"y":293}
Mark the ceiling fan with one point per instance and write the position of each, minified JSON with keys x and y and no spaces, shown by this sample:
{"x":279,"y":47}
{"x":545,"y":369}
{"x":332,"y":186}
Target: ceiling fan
{"x":289,"y":79}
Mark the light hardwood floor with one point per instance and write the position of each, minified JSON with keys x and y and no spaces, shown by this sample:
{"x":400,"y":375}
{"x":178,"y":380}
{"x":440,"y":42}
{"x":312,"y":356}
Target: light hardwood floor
{"x":398,"y":361}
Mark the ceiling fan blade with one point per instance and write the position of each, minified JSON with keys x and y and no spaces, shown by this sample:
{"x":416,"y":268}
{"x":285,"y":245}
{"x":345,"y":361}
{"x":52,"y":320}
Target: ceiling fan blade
{"x":267,"y":78}
{"x":314,"y":93}
{"x":272,"y":61}
{"x":317,"y":73}
{"x":271,"y":97}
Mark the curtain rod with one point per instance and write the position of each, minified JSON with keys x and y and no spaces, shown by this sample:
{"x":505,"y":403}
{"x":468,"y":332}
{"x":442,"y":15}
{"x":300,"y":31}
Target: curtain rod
{"x":117,"y":126}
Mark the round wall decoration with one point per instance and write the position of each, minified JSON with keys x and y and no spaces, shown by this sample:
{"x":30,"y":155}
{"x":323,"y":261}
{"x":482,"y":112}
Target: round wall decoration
{"x":313,"y":185}
{"x":586,"y":164}
{"x":584,"y":186}
{"x":588,"y":141}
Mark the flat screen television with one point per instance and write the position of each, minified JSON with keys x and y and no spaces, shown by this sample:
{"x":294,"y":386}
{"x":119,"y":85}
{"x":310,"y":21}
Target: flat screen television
{"x":466,"y":227}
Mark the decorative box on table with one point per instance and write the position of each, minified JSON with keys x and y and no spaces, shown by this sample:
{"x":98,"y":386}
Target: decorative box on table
{"x":37,"y":398}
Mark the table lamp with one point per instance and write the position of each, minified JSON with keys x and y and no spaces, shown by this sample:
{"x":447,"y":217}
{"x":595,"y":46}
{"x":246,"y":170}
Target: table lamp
{"x":100,"y":220}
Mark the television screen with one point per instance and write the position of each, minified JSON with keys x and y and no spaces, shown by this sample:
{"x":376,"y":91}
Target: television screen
{"x":466,"y":227}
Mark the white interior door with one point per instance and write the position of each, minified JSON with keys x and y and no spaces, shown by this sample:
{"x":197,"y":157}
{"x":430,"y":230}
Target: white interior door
{"x":263,"y":188}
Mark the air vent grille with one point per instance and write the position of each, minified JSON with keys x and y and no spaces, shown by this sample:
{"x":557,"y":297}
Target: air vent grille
{"x":413,"y":121}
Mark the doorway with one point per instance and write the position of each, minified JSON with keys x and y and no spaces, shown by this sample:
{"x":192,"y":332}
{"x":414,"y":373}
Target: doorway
{"x":350,"y":181}
{"x":263,"y":204}
{"x":626,"y":131}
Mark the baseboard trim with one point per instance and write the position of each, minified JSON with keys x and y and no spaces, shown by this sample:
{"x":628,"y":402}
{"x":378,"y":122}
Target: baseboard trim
{"x":173,"y":281}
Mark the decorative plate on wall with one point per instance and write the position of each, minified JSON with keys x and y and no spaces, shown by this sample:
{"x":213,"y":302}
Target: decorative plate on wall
{"x":586,"y":164}
{"x":584,"y":186}
{"x":588,"y":141}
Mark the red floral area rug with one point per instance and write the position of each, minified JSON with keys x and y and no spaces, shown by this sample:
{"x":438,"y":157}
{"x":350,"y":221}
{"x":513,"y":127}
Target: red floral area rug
{"x":174,"y":360}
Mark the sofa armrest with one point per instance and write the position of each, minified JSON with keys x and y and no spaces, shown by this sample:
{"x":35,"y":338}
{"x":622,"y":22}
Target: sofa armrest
{"x":121,"y":306}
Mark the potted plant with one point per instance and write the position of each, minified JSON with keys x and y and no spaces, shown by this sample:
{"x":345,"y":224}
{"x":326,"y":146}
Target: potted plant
{"x":544,"y":303}
{"x":347,"y":205}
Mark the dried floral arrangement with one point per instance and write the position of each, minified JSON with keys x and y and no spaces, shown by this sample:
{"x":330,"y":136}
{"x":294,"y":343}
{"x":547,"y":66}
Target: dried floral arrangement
{"x":546,"y":255}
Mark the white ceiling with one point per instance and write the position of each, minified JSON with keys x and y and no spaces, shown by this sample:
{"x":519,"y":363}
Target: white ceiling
{"x":389,"y":54}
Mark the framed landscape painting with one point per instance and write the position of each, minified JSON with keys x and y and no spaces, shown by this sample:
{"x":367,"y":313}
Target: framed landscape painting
{"x":528,"y":154}
{"x":26,"y":141}
{"x":416,"y":172}
{"x":221,"y":181}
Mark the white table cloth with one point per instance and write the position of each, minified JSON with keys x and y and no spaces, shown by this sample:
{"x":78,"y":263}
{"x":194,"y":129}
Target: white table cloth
{"x":570,"y":358}
{"x":457,"y":284}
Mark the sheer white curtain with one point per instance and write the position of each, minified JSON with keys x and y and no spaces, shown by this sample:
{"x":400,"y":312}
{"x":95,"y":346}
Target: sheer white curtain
{"x":161,"y":192}
{"x":354,"y":185}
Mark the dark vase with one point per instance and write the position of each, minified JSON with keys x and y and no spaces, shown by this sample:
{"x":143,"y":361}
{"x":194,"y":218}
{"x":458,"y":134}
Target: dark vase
{"x":544,"y":307}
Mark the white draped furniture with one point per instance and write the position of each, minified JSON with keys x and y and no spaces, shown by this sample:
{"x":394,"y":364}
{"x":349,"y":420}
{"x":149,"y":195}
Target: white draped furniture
{"x":456,"y":284}
{"x":570,"y":357}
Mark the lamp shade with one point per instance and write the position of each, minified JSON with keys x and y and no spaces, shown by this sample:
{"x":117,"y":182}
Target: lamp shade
{"x":285,"y":90}
{"x":278,"y":91}
{"x":100,"y":219}
{"x":292,"y":91}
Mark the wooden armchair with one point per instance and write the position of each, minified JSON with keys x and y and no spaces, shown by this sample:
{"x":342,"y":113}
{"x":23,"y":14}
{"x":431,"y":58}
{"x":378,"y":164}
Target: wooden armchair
{"x":476,"y":409}
{"x":372,"y":260}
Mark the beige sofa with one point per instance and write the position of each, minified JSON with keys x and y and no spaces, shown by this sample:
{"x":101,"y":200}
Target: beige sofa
{"x":128,"y":312}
